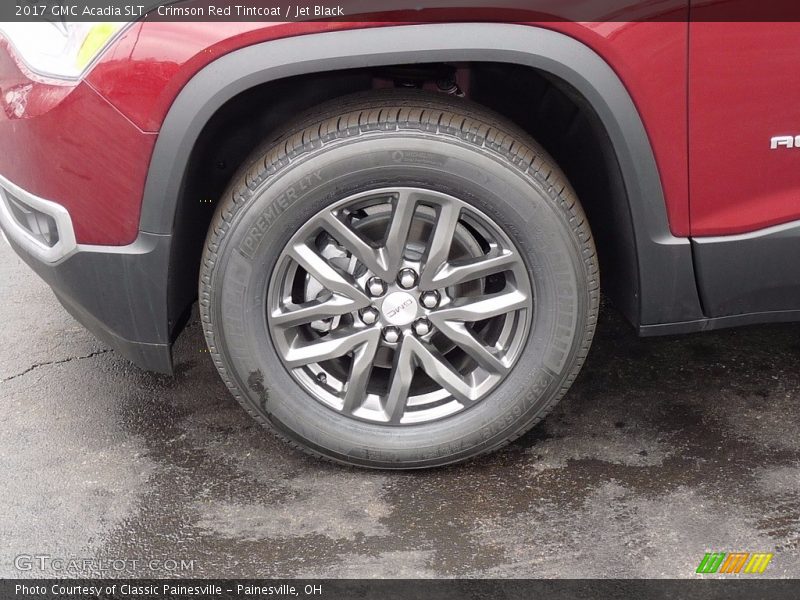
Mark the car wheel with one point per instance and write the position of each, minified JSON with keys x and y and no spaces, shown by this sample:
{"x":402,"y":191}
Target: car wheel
{"x":402,"y":280}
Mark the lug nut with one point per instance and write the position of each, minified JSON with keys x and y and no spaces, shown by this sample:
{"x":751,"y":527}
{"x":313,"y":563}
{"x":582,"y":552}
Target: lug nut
{"x":392,"y":335}
{"x":376,"y":287}
{"x":430,"y":299}
{"x":407,"y":279}
{"x":422,"y":327}
{"x":369,"y":316}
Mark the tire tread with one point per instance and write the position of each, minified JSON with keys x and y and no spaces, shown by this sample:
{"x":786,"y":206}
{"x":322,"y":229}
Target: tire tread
{"x":389,"y":110}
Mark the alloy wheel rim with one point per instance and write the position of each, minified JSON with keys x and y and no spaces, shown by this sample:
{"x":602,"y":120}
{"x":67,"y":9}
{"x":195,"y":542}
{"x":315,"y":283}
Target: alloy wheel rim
{"x":399,"y":306}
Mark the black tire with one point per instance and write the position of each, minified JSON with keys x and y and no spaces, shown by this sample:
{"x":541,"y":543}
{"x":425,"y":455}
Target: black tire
{"x":399,"y":138}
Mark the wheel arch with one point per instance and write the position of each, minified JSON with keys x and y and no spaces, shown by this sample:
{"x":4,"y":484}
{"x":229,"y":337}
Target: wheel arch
{"x":658,"y":282}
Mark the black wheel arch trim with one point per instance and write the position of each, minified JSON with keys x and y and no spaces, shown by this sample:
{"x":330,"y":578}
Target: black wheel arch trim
{"x":665,"y":290}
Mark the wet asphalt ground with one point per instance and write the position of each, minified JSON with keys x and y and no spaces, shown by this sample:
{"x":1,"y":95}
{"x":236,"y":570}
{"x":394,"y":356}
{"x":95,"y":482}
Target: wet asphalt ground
{"x":664,"y":449}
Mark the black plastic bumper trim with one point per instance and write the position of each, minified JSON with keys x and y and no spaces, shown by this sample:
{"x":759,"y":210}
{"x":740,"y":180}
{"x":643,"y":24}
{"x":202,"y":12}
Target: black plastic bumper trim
{"x":117,"y":293}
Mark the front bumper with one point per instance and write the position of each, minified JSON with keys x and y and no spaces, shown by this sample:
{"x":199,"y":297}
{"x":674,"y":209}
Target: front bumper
{"x":72,"y":173}
{"x":64,"y":142}
{"x":116,"y":292}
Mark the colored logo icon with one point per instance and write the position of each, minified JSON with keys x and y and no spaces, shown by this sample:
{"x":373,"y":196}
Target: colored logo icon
{"x":735,"y":562}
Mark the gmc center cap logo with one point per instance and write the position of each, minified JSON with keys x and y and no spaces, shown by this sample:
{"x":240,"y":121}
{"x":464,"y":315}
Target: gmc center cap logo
{"x":399,"y":308}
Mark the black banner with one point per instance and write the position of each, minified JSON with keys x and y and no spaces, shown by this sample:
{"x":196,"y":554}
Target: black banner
{"x":469,"y":589}
{"x":399,"y":10}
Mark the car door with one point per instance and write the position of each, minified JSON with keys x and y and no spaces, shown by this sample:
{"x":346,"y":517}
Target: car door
{"x":744,"y":157}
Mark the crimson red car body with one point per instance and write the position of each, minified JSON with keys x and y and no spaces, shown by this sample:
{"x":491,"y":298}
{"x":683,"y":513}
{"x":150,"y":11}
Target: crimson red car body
{"x":710,"y":96}
{"x":143,"y":72}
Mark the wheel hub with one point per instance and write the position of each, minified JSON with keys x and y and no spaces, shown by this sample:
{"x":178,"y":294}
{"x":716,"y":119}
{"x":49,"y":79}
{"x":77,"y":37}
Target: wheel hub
{"x":399,"y":308}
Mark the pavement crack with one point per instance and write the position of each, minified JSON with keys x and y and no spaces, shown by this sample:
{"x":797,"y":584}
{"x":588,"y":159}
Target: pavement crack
{"x":54,"y":362}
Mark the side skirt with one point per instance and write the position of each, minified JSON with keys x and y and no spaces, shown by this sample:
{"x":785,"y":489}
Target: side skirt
{"x":743,"y":280}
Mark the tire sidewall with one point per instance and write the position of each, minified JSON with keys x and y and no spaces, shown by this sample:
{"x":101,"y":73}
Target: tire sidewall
{"x":521,"y":203}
